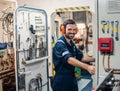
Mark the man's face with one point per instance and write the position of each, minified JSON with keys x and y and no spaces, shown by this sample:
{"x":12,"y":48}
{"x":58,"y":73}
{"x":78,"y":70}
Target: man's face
{"x":70,"y":31}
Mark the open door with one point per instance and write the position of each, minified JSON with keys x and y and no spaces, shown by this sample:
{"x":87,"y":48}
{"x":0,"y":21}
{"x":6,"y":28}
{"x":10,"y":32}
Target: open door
{"x":83,"y":18}
{"x":83,"y":39}
{"x":31,"y":51}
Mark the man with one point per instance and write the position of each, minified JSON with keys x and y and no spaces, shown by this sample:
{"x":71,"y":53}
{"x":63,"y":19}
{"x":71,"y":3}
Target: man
{"x":66,"y":57}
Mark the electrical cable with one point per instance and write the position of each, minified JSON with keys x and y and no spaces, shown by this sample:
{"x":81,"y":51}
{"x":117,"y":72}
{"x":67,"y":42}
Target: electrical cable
{"x":116,"y":71}
{"x":39,"y":81}
{"x":108,"y":63}
{"x":7,"y":22}
{"x":103,"y":61}
{"x":7,"y":25}
{"x":35,"y":84}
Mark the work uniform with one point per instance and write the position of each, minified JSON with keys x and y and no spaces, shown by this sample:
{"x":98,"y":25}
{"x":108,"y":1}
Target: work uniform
{"x":64,"y":79}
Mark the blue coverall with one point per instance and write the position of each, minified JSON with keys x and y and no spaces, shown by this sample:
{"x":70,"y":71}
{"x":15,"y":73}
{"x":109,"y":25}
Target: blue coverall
{"x":64,"y":79}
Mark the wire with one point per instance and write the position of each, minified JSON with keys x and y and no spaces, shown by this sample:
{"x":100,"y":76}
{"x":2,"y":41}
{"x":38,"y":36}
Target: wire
{"x":116,"y":71}
{"x":108,"y":63}
{"x":103,"y":61}
{"x":39,"y":81}
{"x":7,"y":24}
{"x":35,"y":84}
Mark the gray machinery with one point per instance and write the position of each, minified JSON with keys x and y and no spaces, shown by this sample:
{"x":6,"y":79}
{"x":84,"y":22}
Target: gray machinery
{"x":110,"y":83}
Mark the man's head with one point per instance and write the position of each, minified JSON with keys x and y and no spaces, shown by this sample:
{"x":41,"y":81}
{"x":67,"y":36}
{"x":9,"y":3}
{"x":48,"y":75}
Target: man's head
{"x":69,"y":28}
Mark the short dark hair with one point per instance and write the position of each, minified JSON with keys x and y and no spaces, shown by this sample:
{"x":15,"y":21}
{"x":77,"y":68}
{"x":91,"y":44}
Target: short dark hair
{"x":68,"y":21}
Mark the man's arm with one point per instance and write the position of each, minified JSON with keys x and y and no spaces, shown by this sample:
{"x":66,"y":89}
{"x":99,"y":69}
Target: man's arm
{"x":88,"y":59}
{"x":77,"y":63}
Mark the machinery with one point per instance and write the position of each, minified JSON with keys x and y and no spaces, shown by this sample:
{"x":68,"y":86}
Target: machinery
{"x":109,"y":83}
{"x":23,"y":49}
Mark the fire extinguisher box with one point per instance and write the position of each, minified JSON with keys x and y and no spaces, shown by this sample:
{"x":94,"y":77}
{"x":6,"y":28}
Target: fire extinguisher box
{"x":105,"y":44}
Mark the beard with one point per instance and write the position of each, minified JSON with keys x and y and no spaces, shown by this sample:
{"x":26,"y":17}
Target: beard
{"x":70,"y":35}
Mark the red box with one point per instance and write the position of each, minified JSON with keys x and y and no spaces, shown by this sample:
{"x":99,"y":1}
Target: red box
{"x":105,"y":44}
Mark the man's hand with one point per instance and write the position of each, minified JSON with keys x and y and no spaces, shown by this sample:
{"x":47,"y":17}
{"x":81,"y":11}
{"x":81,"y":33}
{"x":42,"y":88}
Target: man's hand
{"x":91,"y":69}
